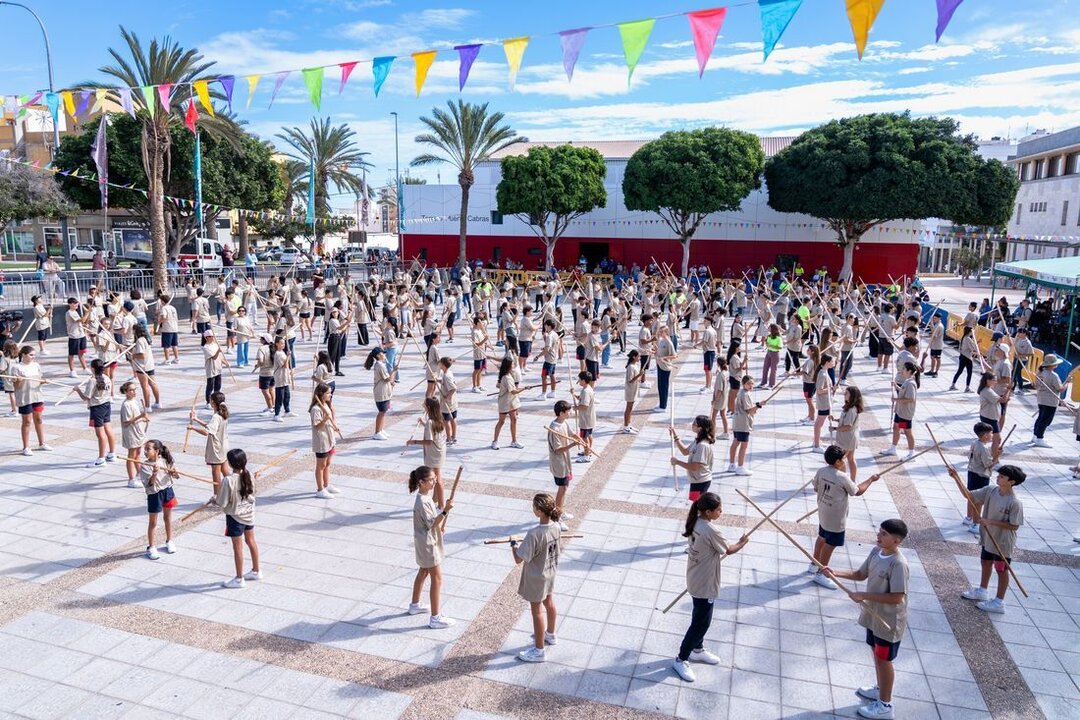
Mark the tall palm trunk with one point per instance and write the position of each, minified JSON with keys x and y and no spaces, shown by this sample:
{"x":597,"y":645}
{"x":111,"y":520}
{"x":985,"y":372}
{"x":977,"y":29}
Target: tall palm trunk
{"x":465,"y":180}
{"x":155,"y":148}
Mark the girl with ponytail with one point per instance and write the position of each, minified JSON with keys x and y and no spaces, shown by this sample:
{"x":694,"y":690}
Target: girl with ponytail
{"x":96,"y":390}
{"x":156,"y":476}
{"x":216,"y":431}
{"x":539,"y":552}
{"x":235,"y":494}
{"x":428,"y":523}
{"x":707,"y":549}
{"x":699,"y":461}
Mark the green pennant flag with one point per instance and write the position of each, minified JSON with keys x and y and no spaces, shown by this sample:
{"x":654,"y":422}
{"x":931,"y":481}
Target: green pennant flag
{"x":313,"y":78}
{"x":635,"y":36}
{"x":148,"y":96}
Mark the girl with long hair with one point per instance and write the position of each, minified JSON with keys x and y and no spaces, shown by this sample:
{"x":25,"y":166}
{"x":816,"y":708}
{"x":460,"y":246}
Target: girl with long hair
{"x":216,"y":431}
{"x":633,"y":378}
{"x":156,"y":475}
{"x":904,"y":417}
{"x":699,"y":460}
{"x":719,"y":399}
{"x":96,"y":390}
{"x":382,"y":388}
{"x":509,"y":402}
{"x":281,"y":359}
{"x":142,"y":362}
{"x":448,"y":398}
{"x":429,"y":519}
{"x":539,"y":552}
{"x":134,"y":421}
{"x":969,"y":350}
{"x":323,"y":371}
{"x":235,"y":494}
{"x":323,"y":438}
{"x":28,"y":380}
{"x":822,"y":396}
{"x":213,"y":361}
{"x":434,"y":444}
{"x":847,"y":429}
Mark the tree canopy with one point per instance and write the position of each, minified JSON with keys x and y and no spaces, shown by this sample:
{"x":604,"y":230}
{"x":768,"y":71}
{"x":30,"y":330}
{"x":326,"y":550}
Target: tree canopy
{"x":862,"y":171}
{"x":27,"y":193}
{"x":685,"y":175}
{"x":550,"y":187}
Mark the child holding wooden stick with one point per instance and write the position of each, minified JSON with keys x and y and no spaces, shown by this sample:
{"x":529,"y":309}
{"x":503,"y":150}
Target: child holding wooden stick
{"x":585,"y":411}
{"x":133,"y":423}
{"x":509,"y":402}
{"x":323,"y":439}
{"x":884,"y":612}
{"x":539,"y":552}
{"x":847,"y":429}
{"x":633,"y":378}
{"x":428,"y":524}
{"x":559,"y":444}
{"x":434,"y":444}
{"x":719,"y":399}
{"x":213,"y":361}
{"x":382,"y":388}
{"x":156,"y":476}
{"x":448,"y":398}
{"x":833,"y":488}
{"x":742,"y":424}
{"x":1002,"y":514}
{"x":699,"y":460}
{"x":706,"y":550}
{"x":235,"y":495}
{"x":27,"y":381}
{"x":216,"y":431}
{"x":96,"y":391}
{"x":8,"y":360}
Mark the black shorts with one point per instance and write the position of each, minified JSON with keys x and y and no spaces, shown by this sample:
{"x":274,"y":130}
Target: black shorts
{"x":42,"y":335}
{"x":976,"y":482}
{"x":699,"y":489}
{"x":992,"y":422}
{"x":76,"y":346}
{"x":266,"y":382}
{"x":883,"y":649}
{"x":382,"y":405}
{"x":808,"y":390}
{"x":823,"y":413}
{"x":235,"y":528}
{"x":305,"y":316}
{"x":579,"y":352}
{"x":320,"y":311}
{"x":836,"y":539}
{"x":100,"y":415}
{"x":480,"y":364}
{"x":170,"y":339}
{"x":992,"y":557}
{"x":742,"y":436}
{"x":447,"y":417}
{"x":37,"y":407}
{"x":161,"y":499}
{"x":564,"y":481}
{"x":885,"y":347}
{"x":524,"y":348}
{"x":902,"y":423}
{"x":733,"y":383}
{"x":328,"y":453}
{"x":935,"y":353}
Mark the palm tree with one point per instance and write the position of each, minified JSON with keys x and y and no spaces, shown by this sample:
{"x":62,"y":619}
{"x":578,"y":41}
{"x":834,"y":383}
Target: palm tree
{"x":336,"y":156}
{"x":163,"y":63}
{"x":464,"y":137}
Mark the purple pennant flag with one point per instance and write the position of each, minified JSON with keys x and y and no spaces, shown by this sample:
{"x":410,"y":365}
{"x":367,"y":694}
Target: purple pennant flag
{"x":227,"y":82}
{"x":125,"y":101}
{"x":277,"y":86}
{"x":84,"y":101}
{"x":945,"y":10}
{"x":572,"y":42}
{"x":467,"y":55}
{"x":100,"y":152}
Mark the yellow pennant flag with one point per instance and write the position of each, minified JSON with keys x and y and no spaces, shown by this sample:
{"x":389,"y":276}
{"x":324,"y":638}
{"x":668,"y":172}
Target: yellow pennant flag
{"x":204,"y":95}
{"x":515,"y":50}
{"x":69,"y":102}
{"x":861,"y":14}
{"x":253,"y":82}
{"x":100,"y":96}
{"x":423,"y":64}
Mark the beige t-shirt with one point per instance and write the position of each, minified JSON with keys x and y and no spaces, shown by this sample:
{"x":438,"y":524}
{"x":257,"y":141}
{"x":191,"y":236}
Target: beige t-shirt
{"x":383,"y":389}
{"x":428,"y":541}
{"x":132,"y":434}
{"x":558,"y":461}
{"x":242,"y":509}
{"x":447,"y":392}
{"x":1003,"y":508}
{"x":700,"y":452}
{"x":848,"y":439}
{"x":212,"y":359}
{"x":742,"y":420}
{"x":435,"y":448}
{"x":508,"y":399}
{"x":586,"y":408}
{"x":217,"y":440}
{"x":706,"y":549}
{"x":885,"y":574}
{"x":539,"y":553}
{"x":833,"y":488}
{"x":322,"y":437}
{"x":632,"y":382}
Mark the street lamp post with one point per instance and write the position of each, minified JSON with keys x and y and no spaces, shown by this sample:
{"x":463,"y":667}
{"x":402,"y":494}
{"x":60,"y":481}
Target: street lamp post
{"x":56,"y":125}
{"x":397,"y":185}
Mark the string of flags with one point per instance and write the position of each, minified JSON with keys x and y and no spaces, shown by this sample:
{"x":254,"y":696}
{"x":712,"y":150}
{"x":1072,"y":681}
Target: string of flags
{"x":181,"y":202}
{"x":705,"y":26}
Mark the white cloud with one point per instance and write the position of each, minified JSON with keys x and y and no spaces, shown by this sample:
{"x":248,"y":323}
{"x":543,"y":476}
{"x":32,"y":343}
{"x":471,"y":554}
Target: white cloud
{"x":440,"y":18}
{"x":913,"y":70}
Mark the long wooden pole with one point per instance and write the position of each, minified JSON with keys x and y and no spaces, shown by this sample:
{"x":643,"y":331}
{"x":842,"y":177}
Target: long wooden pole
{"x":453,"y":491}
{"x":187,"y":434}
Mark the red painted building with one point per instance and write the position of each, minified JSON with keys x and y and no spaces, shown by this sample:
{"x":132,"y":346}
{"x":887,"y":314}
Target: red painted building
{"x":753,"y":235}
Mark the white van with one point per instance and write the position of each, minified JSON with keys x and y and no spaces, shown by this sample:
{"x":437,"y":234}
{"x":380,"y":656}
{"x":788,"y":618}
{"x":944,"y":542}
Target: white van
{"x":206,"y":250}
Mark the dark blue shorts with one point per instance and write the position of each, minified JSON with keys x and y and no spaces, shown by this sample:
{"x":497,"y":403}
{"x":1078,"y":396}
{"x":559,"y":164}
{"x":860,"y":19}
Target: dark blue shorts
{"x":710,"y":359}
{"x":42,"y":334}
{"x":480,"y":364}
{"x":547,"y":370}
{"x":162,"y":499}
{"x":382,"y":405}
{"x":76,"y":346}
{"x":976,"y":482}
{"x":564,"y":481}
{"x":935,"y":353}
{"x":235,"y":528}
{"x":266,"y":382}
{"x":579,"y":352}
{"x":447,"y":417}
{"x":883,"y":649}
{"x":31,"y":408}
{"x":585,"y":432}
{"x":100,"y":415}
{"x":836,"y":539}
{"x":524,"y":348}
{"x":733,"y":383}
{"x":992,"y":422}
{"x":808,"y":390}
{"x":170,"y":339}
{"x":742,"y":436}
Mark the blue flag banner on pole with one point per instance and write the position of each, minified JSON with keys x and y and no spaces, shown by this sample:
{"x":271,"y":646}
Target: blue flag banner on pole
{"x":198,"y":185}
{"x":311,"y":193}
{"x":775,"y":16}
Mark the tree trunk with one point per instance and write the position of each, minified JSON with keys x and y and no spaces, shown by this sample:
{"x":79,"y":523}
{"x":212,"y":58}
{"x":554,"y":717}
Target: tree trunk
{"x":849,"y":261}
{"x":155,"y":180}
{"x":244,"y":244}
{"x":465,"y":180}
{"x":685,"y":242}
{"x":549,"y":252}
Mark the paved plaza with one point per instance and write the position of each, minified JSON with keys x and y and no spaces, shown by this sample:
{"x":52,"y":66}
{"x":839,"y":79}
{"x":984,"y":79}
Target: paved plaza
{"x":91,"y":628}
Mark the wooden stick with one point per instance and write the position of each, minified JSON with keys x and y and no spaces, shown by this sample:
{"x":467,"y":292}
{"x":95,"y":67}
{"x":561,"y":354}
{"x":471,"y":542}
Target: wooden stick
{"x":968,"y":497}
{"x":671,"y":424}
{"x":205,"y":505}
{"x":1009,"y":435}
{"x":181,"y":473}
{"x":187,"y":434}
{"x":812,"y":559}
{"x":419,"y":422}
{"x":502,"y":541}
{"x":273,"y":463}
{"x":453,"y":491}
{"x":569,"y":438}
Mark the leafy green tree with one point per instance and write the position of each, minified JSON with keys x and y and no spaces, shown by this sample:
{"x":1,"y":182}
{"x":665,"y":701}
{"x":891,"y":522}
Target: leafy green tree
{"x":26,"y":193}
{"x":685,"y":175}
{"x":241,"y":173}
{"x":464,"y":137}
{"x":859,"y":172}
{"x":550,"y":187}
{"x":163,"y":63}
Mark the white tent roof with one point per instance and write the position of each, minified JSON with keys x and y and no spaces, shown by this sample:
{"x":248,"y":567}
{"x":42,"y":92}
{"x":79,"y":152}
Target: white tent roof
{"x":1062,"y":272}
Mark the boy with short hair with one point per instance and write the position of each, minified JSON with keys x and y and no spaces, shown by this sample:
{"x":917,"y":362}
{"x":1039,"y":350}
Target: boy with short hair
{"x":585,"y":411}
{"x":1002,"y":515}
{"x":833,"y":488}
{"x":886,"y":572}
{"x":980,"y":462}
{"x":936,"y":343}
{"x":559,"y":445}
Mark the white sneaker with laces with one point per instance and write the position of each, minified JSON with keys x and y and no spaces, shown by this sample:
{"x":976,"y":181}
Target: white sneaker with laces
{"x":704,"y":656}
{"x":96,"y":463}
{"x":742,"y":471}
{"x":170,"y":547}
{"x":152,"y":553}
{"x":877,"y":710}
{"x":331,"y":489}
{"x":278,"y":419}
{"x":817,"y":449}
{"x":323,"y":495}
{"x":44,"y":448}
{"x":267,"y":411}
{"x":532,"y":655}
{"x":254,"y":575}
{"x":821,"y":579}
{"x":888,"y":452}
{"x":73,"y":374}
{"x":438,"y":622}
{"x":477,"y":390}
{"x":290,"y":414}
{"x":516,"y":445}
{"x":812,"y":569}
{"x":494,"y":446}
{"x":380,"y":436}
{"x":1041,"y":442}
{"x":731,"y":467}
{"x":976,"y":593}
{"x":110,"y":457}
{"x":872,"y":692}
{"x":235,"y":584}
{"x":563,"y":526}
{"x":550,"y":639}
{"x":723,"y":436}
{"x":417,"y":608}
{"x":541,"y":396}
{"x":993,"y":605}
{"x":583,"y":459}
{"x":132,"y":484}
{"x":682,"y":669}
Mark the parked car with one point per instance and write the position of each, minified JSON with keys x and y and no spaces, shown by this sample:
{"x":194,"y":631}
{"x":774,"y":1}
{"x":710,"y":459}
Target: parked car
{"x":289,"y":256}
{"x":83,"y":252}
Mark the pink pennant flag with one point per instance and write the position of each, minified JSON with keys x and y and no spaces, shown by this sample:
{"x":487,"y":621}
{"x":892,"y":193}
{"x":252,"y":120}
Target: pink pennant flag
{"x":705,"y":26}
{"x":163,"y":94}
{"x":346,"y":71}
{"x":277,"y":86}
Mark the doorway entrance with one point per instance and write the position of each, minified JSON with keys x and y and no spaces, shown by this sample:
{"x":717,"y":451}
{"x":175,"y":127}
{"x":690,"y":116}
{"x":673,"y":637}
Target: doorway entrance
{"x":594,"y":252}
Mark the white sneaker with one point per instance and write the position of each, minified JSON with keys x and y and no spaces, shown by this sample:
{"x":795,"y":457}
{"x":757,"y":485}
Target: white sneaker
{"x":290,"y":414}
{"x":812,"y":569}
{"x":170,"y":547}
{"x":278,"y":419}
{"x":516,"y":445}
{"x":967,"y":522}
{"x":532,"y":655}
{"x":910,"y":454}
{"x":821,"y":579}
{"x":132,"y":484}
{"x":152,"y":553}
{"x":331,"y":489}
{"x":438,"y":622}
{"x":156,"y":406}
{"x":682,"y":669}
{"x":889,"y":452}
{"x":477,"y":390}
{"x":267,"y":411}
{"x":645,"y":386}
{"x":976,"y":593}
{"x":541,"y":396}
{"x":806,"y":421}
{"x":73,"y":374}
{"x":993,"y":605}
{"x":417,"y":608}
{"x":973,"y":528}
{"x":723,"y":436}
{"x":1041,"y":442}
{"x":659,"y":409}
{"x":96,"y":463}
{"x":703,"y":390}
{"x":563,"y":526}
{"x":566,"y":516}
{"x":731,"y":467}
{"x":551,"y":395}
{"x":877,"y":710}
{"x":206,"y":406}
{"x":583,"y":459}
{"x":323,"y":495}
{"x":742,"y":471}
{"x":494,"y":446}
{"x":869,"y":693}
{"x":235,"y":583}
{"x":379,"y":436}
{"x":550,"y":639}
{"x":817,"y":449}
{"x":704,"y":656}
{"x":44,"y":448}
{"x":254,"y":575}
{"x":110,"y":457}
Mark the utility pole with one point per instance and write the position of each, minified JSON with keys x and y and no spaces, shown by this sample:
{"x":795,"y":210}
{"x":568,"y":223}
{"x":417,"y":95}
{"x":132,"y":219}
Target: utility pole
{"x":397,"y":185}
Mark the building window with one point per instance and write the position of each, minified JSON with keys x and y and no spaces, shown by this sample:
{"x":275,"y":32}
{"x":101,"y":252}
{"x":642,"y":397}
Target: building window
{"x":496,"y":217}
{"x":1072,"y":164}
{"x":1025,"y":171}
{"x":1019,"y":212}
{"x":1064,"y":213}
{"x":1040,"y":169}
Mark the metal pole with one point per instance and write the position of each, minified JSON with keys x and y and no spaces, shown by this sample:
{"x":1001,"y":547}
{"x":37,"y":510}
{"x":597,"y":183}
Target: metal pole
{"x":397,"y":184}
{"x":64,"y":244}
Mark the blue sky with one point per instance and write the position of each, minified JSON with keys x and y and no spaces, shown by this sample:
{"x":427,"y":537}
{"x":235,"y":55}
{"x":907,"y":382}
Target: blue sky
{"x":1002,"y":67}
